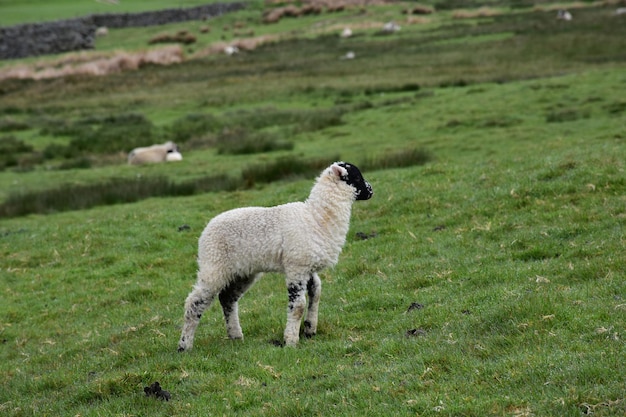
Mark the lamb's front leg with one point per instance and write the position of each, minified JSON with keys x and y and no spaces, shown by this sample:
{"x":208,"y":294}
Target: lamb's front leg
{"x":314,"y":291}
{"x":295,"y":310}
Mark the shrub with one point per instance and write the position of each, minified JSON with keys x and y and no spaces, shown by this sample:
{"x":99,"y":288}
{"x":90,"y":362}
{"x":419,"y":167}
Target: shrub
{"x":12,"y":125}
{"x":284,"y":168}
{"x":108,"y":134}
{"x":10,"y":144}
{"x":320,"y":119}
{"x":392,"y":89}
{"x":194,"y":125}
{"x":566,"y":115}
{"x":115,"y":133}
{"x":113,"y":191}
{"x":63,"y":128}
{"x":397,"y":159}
{"x":10,"y":148}
{"x":240,"y":141}
{"x":55,"y":151}
{"x":76,"y":163}
{"x":182,"y":36}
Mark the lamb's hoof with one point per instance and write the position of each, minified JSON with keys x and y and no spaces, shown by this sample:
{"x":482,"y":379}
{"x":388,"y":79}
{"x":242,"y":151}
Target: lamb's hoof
{"x":181,"y":349}
{"x":309,"y":331}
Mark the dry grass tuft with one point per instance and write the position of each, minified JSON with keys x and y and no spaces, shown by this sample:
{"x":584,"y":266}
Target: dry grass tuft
{"x":93,"y":63}
{"x":183,"y":37}
{"x":472,"y":14}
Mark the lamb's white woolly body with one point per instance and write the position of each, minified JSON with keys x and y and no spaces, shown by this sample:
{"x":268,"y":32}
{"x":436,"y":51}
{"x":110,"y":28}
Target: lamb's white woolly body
{"x":297,"y":239}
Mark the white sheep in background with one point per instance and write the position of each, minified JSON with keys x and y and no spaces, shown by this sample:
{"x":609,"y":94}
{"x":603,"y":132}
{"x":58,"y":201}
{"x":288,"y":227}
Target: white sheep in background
{"x":298,"y":239}
{"x":349,"y":55}
{"x":564,"y":15}
{"x":152,"y":154}
{"x":346,"y":33}
{"x":391,"y":27}
{"x":231,"y":50}
{"x":173,"y":156}
{"x":102,"y":31}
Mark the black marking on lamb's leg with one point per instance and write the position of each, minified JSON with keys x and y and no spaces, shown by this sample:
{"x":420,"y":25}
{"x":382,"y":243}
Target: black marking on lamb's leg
{"x":229,"y":298}
{"x":314,"y":290}
{"x":295,"y":292}
{"x":295,"y":310}
{"x":197,"y":302}
{"x":311,"y":286}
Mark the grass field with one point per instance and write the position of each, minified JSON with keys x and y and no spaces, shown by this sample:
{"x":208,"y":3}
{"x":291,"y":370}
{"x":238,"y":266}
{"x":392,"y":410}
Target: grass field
{"x":493,"y":278}
{"x":32,"y":11}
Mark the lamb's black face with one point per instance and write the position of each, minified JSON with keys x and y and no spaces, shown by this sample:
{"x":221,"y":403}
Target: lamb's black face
{"x":355,"y":179}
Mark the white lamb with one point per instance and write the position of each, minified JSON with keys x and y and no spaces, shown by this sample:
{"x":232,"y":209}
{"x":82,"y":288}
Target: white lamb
{"x":153,"y":154}
{"x":298,"y":239}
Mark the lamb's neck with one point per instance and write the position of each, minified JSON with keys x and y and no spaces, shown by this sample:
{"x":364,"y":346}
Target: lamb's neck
{"x":332,"y":214}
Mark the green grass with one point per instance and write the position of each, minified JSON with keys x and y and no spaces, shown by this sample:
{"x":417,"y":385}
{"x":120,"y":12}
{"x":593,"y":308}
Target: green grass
{"x":31,"y":11}
{"x":506,"y":223}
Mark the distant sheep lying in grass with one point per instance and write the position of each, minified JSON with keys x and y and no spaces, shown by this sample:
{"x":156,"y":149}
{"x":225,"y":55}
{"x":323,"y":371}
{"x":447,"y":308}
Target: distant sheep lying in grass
{"x":167,"y":151}
{"x":298,"y":239}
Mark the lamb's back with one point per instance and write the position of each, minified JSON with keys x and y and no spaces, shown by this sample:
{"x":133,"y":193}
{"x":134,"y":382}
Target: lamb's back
{"x":252,"y":239}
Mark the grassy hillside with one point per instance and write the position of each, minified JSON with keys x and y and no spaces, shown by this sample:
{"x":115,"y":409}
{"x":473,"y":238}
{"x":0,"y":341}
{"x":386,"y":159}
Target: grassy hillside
{"x":492,"y":280}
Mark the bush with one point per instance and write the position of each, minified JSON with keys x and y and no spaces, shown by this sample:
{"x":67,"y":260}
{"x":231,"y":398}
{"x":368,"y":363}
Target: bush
{"x":113,"y":191}
{"x":12,"y":125}
{"x":392,"y":89}
{"x":10,"y":144}
{"x":193,"y":126}
{"x":240,"y":141}
{"x":10,"y":149}
{"x":284,"y":168}
{"x":77,"y":163}
{"x":243,"y":122}
{"x":566,"y":115}
{"x":55,"y":151}
{"x":397,"y":159}
{"x":115,"y":133}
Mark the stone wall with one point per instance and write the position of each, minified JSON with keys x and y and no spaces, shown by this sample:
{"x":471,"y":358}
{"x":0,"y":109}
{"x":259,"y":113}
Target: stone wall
{"x":77,"y":34}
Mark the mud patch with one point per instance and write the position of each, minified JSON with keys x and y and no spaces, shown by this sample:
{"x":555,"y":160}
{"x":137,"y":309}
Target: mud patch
{"x":365,"y":236}
{"x":415,"y":306}
{"x":415,"y":333}
{"x":277,"y":343}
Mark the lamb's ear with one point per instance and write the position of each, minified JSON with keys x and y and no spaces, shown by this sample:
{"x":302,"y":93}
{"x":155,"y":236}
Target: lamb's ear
{"x":339,"y":171}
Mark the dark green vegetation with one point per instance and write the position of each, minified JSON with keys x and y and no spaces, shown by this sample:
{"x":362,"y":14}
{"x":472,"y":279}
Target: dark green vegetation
{"x":495,"y":147}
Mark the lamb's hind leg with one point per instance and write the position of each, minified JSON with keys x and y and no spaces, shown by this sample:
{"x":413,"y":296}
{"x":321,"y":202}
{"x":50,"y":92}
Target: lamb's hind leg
{"x":314,"y":291}
{"x":198,"y":300}
{"x":229,"y":298}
